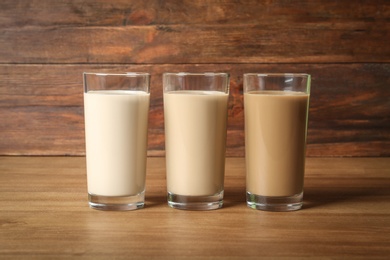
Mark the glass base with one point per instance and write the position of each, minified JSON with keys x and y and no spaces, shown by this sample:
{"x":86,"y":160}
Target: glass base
{"x":288,"y":203}
{"x":195,"y":202}
{"x":116,"y":202}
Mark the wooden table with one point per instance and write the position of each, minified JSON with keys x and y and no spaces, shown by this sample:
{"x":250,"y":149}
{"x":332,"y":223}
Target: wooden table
{"x":44,"y":214}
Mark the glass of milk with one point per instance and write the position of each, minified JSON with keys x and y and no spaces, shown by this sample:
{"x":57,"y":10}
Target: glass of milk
{"x":195,"y":115}
{"x":276,"y":115}
{"x":116,"y":108}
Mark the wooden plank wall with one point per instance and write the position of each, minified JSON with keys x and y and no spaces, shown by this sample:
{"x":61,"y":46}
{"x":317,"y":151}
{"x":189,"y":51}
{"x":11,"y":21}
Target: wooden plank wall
{"x":45,"y":46}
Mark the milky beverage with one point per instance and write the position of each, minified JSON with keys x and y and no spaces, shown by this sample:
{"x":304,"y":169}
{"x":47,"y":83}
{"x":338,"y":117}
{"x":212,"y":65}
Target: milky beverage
{"x":195,"y":140}
{"x":275,"y":138}
{"x":116,"y":141}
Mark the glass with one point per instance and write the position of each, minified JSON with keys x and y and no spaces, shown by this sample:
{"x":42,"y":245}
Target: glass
{"x":276,"y":116}
{"x":116,"y":108}
{"x":195,"y":114}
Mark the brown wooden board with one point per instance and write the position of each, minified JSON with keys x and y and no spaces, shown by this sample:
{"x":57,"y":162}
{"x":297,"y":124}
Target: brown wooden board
{"x":276,"y":13}
{"x":194,"y":31}
{"x":44,"y":214}
{"x":41,"y":107}
{"x":194,"y":44}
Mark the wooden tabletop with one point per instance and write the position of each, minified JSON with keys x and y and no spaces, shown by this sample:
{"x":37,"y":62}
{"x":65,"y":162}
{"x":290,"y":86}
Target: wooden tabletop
{"x":44,"y":214}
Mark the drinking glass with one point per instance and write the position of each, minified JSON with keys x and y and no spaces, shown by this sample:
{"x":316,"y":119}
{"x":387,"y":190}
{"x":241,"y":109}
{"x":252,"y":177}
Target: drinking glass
{"x":116,"y":110}
{"x":276,"y":116}
{"x":195,"y":115}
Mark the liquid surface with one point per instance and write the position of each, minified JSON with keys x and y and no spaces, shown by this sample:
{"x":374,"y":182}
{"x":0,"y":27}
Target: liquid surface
{"x":116,"y":141}
{"x":275,"y":140}
{"x":195,"y":141}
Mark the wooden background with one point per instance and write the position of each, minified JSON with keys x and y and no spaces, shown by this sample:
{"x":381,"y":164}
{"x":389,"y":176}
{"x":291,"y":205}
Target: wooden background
{"x":45,"y":46}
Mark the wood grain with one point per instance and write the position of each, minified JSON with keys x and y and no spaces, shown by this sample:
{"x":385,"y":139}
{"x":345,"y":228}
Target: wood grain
{"x":79,"y":13}
{"x":195,"y":44}
{"x":194,"y":32}
{"x":44,"y":214}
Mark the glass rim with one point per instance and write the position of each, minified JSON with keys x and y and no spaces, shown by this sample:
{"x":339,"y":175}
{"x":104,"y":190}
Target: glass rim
{"x":284,"y":74}
{"x":196,"y":74}
{"x":125,"y":74}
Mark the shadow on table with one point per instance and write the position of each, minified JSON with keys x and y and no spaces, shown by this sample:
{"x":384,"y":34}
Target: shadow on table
{"x":234,"y":196}
{"x":316,"y":197}
{"x":155,"y":200}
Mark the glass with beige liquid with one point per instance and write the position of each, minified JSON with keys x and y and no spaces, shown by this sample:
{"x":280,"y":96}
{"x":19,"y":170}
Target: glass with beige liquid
{"x":276,"y":116}
{"x":116,"y":108}
{"x":195,"y":115}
